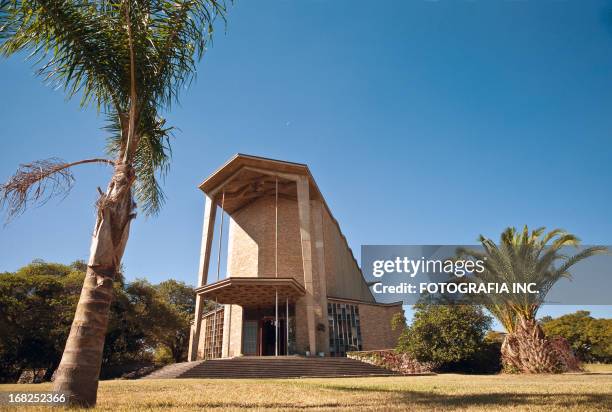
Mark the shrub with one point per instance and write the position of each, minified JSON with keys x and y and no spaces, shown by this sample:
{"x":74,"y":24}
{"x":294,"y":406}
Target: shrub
{"x":589,"y":338}
{"x":393,"y":360}
{"x":451,"y":337}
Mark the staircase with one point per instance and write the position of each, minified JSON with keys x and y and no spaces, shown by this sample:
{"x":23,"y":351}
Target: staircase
{"x":172,"y":371}
{"x":269,"y":367}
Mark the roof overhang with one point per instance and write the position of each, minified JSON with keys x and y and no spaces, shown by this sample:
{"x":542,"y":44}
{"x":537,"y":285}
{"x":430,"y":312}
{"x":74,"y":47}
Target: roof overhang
{"x":248,"y":292}
{"x":240,"y":161}
{"x":245,"y":178}
{"x":363,"y":302}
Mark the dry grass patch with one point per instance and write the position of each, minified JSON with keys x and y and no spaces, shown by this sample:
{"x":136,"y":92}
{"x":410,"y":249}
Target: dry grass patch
{"x":421,"y":393}
{"x":598,"y":367}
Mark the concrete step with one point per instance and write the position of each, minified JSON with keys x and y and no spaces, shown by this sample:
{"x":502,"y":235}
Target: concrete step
{"x":269,"y":367}
{"x":172,"y":370}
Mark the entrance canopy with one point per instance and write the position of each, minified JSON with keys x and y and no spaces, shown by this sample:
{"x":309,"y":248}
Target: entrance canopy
{"x":251,"y":291}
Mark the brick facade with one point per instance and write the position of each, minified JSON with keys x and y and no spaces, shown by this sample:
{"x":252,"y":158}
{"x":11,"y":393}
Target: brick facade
{"x":311,"y":249}
{"x":376,"y":330}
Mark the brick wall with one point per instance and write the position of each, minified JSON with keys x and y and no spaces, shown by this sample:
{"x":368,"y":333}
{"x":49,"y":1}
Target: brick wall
{"x":251,"y":253}
{"x":376,"y":332}
{"x":344,"y":278}
{"x":251,"y":248}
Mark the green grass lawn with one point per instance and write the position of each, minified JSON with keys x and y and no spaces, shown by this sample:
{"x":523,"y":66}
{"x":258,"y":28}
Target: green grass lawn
{"x":582,"y":392}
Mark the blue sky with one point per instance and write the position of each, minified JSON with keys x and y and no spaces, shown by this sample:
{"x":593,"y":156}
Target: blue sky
{"x":424,"y":122}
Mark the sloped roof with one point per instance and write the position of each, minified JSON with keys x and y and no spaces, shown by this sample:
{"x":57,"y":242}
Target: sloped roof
{"x":239,"y":161}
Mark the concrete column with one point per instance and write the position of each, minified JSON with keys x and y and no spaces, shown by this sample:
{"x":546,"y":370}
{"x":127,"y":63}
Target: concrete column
{"x":236,"y":323}
{"x":210,"y":211}
{"x":321,"y":310}
{"x":227,"y":329}
{"x":303,"y":195}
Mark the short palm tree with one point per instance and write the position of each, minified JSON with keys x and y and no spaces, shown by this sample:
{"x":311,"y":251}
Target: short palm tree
{"x":130,"y":59}
{"x":525,"y":257}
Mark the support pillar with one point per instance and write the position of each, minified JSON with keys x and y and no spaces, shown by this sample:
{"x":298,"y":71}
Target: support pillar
{"x":276,"y":324}
{"x":210,"y":211}
{"x":227,"y":327}
{"x":321,"y":302}
{"x":303,"y":195}
{"x":287,"y":328}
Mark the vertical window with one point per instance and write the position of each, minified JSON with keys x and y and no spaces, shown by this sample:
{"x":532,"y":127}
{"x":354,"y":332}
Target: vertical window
{"x":344,"y":328}
{"x":213,"y":337}
{"x":249,"y":337}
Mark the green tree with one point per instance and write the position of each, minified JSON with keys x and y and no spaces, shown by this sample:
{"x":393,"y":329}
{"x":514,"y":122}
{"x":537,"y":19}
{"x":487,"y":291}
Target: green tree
{"x":444,"y":334}
{"x":158,"y":316}
{"x":37,"y":305}
{"x":525,"y":257}
{"x":126,"y":339}
{"x":130,"y":59}
{"x":590,"y":338}
{"x":178,"y":294}
{"x":36,"y":308}
{"x":167,"y":311}
{"x":180,"y":300}
{"x":27,"y":310}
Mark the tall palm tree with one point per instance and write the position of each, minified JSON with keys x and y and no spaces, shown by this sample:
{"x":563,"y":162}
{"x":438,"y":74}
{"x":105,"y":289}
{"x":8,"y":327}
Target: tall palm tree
{"x":525,"y":257}
{"x":130,"y":59}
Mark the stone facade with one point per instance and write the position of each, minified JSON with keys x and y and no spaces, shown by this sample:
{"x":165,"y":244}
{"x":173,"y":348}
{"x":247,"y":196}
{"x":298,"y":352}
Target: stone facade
{"x":281,"y":227}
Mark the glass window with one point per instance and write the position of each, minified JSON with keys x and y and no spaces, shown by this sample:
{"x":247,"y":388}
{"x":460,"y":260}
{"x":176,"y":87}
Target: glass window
{"x":213,"y":336}
{"x":344,"y":328}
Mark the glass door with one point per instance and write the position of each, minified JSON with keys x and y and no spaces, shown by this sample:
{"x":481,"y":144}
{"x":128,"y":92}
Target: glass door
{"x":249,"y":337}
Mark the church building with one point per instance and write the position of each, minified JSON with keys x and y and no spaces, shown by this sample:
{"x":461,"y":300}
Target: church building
{"x":276,"y":274}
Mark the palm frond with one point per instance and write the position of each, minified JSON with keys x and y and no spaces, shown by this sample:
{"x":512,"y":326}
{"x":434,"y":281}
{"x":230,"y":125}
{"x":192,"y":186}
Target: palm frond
{"x":72,"y":42}
{"x":131,"y":57}
{"x":37,"y":183}
{"x":583,"y":254}
{"x":152,"y":162}
{"x":524,"y":257}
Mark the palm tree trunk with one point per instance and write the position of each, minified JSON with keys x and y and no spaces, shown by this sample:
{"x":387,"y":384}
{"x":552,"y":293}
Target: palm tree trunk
{"x":79,"y":369}
{"x":528,"y":350}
